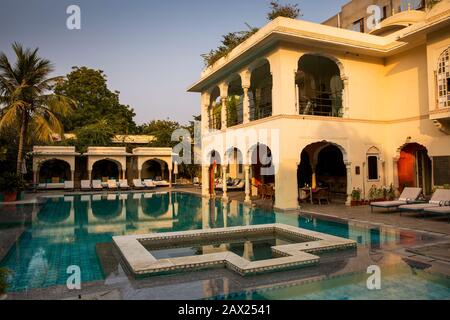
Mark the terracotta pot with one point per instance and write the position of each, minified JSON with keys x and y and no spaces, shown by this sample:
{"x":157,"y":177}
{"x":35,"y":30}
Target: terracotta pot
{"x":10,"y":196}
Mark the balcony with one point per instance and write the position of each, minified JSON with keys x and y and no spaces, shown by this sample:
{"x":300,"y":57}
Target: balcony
{"x":321,"y":103}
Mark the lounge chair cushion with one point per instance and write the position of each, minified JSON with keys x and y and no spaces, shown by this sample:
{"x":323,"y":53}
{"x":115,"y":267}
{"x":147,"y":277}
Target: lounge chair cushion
{"x":445,"y":210}
{"x":418,"y":206}
{"x":388,"y":204}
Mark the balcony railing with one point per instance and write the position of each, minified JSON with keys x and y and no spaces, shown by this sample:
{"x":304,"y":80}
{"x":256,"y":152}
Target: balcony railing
{"x":321,"y":104}
{"x":235,"y":114}
{"x":261,"y":111}
{"x":215,"y":122}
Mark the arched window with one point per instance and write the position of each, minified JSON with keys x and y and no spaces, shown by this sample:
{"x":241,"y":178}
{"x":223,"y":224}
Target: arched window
{"x":443,"y":79}
{"x":373,"y":173}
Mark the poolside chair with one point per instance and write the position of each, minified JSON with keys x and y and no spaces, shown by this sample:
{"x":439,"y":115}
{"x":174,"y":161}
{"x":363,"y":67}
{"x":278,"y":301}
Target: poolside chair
{"x":112,"y":185}
{"x":138,"y":184}
{"x":123,"y":184}
{"x":238,"y":187}
{"x":85,"y":185}
{"x":97,"y":185}
{"x":68,"y":185}
{"x":439,"y":210}
{"x":196,"y":181}
{"x":408,"y":196}
{"x":439,"y":199}
{"x":162,"y":183}
{"x":149,"y":184}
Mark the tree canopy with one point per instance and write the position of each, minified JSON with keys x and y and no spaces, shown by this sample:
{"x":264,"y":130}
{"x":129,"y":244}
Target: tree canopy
{"x":162,"y":131}
{"x":95,"y":102}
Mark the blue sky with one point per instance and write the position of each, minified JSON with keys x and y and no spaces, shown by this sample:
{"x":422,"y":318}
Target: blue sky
{"x":150,"y":50}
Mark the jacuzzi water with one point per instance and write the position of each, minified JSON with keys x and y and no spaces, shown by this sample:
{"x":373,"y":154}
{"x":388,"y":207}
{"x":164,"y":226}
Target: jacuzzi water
{"x":65,"y":231}
{"x":261,"y":248}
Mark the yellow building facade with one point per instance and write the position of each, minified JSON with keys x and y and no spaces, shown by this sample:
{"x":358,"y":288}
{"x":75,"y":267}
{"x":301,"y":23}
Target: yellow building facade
{"x":330,"y":106}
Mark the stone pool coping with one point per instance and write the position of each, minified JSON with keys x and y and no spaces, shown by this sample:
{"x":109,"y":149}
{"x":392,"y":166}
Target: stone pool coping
{"x":138,"y":261}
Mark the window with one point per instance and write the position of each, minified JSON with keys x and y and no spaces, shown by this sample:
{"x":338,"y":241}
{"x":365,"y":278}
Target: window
{"x":358,"y":25}
{"x":443,"y":79}
{"x":384,"y":16}
{"x":373,"y":167}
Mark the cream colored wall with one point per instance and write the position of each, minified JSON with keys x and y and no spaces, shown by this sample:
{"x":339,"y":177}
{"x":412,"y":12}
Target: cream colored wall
{"x":405,"y":92}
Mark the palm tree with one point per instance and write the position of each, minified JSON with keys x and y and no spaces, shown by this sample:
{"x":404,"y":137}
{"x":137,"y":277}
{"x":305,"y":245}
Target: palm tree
{"x":27,"y":101}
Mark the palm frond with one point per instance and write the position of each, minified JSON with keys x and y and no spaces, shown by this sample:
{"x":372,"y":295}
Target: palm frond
{"x":10,"y":114}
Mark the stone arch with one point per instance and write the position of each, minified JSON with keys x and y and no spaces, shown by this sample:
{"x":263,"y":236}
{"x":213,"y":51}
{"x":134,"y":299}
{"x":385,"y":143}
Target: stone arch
{"x":161,"y":168}
{"x":260,"y":89}
{"x":321,"y":85}
{"x":62,"y":169}
{"x":97,"y":172}
{"x":414,"y":167}
{"x":320,"y":166}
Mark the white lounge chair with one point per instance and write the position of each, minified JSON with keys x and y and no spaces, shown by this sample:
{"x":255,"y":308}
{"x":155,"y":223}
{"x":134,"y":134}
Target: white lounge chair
{"x":439,"y":210}
{"x":112,"y":184}
{"x":237,"y":187}
{"x":138,"y":184}
{"x":149,"y":184}
{"x":97,"y":185}
{"x":408,"y":196}
{"x":123,"y":184}
{"x":439,"y":199}
{"x":162,"y":183}
{"x":85,"y":185}
{"x":68,"y":185}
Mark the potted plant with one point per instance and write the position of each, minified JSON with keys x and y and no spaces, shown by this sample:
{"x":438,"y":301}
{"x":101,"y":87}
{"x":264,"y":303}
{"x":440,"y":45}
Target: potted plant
{"x":4,"y":274}
{"x":11,"y":185}
{"x":356,"y":197}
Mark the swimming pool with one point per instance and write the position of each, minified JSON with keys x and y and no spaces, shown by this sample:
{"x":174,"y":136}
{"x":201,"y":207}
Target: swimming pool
{"x":67,"y":230}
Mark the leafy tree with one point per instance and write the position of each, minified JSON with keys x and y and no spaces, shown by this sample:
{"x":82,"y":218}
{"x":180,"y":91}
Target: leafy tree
{"x":27,"y":101}
{"x":97,"y":134}
{"x":229,"y":41}
{"x":162,"y":131}
{"x":278,"y":10}
{"x":88,"y":87}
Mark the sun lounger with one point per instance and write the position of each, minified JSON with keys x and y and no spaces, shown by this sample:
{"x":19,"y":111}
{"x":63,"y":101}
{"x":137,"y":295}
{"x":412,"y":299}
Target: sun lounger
{"x":85,"y":185}
{"x":439,"y":210}
{"x":112,"y":184}
{"x":68,"y":185}
{"x":440,"y":197}
{"x":408,"y":196}
{"x":239,"y":186}
{"x":123,"y":184}
{"x":162,"y":183}
{"x":138,"y":184}
{"x":149,"y":184}
{"x":97,"y":185}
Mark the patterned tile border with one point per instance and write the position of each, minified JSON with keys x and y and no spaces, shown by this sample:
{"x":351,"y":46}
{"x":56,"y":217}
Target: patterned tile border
{"x":138,"y":261}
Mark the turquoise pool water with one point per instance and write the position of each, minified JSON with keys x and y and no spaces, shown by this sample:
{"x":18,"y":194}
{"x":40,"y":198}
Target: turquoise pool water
{"x":66,"y":230}
{"x":397,"y":284}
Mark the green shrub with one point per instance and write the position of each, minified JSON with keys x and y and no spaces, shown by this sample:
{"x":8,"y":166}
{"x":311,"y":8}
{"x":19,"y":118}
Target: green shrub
{"x":11,"y":182}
